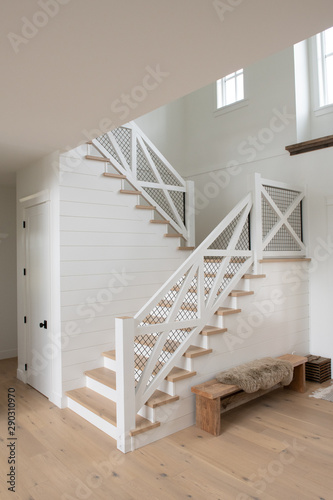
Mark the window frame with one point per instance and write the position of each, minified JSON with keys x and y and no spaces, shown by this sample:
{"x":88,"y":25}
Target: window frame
{"x":322,"y":104}
{"x":226,"y":108}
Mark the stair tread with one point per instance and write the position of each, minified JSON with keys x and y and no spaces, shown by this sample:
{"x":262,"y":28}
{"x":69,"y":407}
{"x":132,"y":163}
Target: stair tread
{"x":110,"y":354}
{"x":96,"y":158}
{"x":103,"y":375}
{"x":224,"y":311}
{"x":143,"y":425}
{"x":194,"y":351}
{"x":145,"y":207}
{"x":212,"y":330}
{"x":177,"y":374}
{"x":240,"y":293}
{"x":186,"y":248}
{"x":114,"y":176}
{"x":100,"y":405}
{"x":160,"y":398}
{"x":253,"y":276}
{"x":129,"y":191}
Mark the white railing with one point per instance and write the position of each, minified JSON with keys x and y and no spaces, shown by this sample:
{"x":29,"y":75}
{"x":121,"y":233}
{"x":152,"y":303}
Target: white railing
{"x":151,"y":344}
{"x":131,"y":152}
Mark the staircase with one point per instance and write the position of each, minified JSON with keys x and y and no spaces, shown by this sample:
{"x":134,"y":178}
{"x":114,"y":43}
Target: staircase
{"x":180,"y":337}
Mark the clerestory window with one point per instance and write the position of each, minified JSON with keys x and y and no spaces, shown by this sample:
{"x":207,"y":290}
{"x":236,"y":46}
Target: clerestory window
{"x":230,"y":89}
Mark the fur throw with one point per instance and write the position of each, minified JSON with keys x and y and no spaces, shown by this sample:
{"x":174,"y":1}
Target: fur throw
{"x":259,"y":374}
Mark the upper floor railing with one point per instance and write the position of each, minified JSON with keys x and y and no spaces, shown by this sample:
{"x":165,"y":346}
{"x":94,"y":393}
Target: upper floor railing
{"x":131,"y":152}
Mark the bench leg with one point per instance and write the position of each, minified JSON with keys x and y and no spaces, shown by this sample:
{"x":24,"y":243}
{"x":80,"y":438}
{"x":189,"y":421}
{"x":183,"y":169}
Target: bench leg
{"x":208,"y":415}
{"x":298,"y":382}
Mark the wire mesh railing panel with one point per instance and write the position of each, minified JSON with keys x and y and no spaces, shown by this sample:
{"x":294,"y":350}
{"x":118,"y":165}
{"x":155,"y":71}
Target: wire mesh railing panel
{"x":283,"y":241}
{"x":143,"y":170}
{"x":178,"y":198}
{"x":269,"y":217}
{"x":166,"y":176}
{"x":123,"y":137}
{"x":296,"y":221}
{"x":283,"y":198}
{"x":223,"y":240}
{"x":107,"y":145}
{"x":160,"y":199}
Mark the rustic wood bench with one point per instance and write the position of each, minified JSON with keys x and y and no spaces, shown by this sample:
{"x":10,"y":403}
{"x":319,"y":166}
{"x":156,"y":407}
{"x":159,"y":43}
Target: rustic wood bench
{"x":214,"y":398}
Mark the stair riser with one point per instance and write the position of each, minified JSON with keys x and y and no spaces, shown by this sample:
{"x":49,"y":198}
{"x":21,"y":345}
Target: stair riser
{"x":95,"y":420}
{"x":171,"y":411}
{"x":110,"y":363}
{"x":102,"y":389}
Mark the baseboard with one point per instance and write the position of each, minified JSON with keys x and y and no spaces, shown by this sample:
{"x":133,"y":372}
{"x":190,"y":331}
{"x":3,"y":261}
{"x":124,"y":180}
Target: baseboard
{"x":11,"y":353}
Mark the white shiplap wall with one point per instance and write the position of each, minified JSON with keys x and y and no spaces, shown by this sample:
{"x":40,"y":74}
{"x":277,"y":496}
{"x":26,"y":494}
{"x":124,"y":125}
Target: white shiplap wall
{"x":273,"y":321}
{"x":112,"y":261}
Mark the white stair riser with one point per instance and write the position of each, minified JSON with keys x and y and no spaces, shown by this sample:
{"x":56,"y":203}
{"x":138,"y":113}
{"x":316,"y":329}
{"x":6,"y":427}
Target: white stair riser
{"x":102,"y":389}
{"x":94,"y":419}
{"x":110,"y":364}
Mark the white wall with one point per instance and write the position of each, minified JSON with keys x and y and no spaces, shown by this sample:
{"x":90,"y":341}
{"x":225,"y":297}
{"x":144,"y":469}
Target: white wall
{"x":223,"y":150}
{"x":8,"y":338}
{"x":40,"y":180}
{"x":112,"y":261}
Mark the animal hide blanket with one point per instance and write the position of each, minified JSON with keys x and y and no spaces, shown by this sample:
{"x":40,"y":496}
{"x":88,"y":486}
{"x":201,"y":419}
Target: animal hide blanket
{"x":259,"y":374}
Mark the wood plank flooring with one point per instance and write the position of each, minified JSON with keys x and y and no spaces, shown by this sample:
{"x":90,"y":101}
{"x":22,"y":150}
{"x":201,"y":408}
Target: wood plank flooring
{"x":277,"y":447}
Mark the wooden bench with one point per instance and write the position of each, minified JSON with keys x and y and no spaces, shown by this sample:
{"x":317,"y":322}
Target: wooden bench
{"x":214,"y":398}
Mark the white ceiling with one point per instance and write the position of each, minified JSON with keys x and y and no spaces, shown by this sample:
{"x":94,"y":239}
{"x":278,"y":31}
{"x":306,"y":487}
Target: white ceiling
{"x":66,"y":76}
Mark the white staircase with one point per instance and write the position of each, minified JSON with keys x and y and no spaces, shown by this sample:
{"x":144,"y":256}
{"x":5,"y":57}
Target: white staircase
{"x":180,"y":337}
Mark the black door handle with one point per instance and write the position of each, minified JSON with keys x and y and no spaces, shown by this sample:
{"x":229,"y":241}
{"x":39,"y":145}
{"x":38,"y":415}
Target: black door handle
{"x":43,"y":325}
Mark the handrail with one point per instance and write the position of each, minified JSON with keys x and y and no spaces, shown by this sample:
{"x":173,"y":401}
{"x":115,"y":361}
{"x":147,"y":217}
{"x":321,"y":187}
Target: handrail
{"x":176,"y":314}
{"x":132,"y":153}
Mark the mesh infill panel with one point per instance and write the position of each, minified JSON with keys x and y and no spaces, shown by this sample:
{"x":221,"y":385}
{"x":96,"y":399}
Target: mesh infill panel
{"x":123,"y":138}
{"x":159,"y":197}
{"x":105,"y":142}
{"x":295,"y":220}
{"x":282,"y":241}
{"x":269,"y":217}
{"x":167,"y":176}
{"x":161,"y":311}
{"x":223,"y":240}
{"x":178,"y":200}
{"x":282,"y":197}
{"x":189,"y":307}
{"x":143,"y":170}
{"x":235,"y":264}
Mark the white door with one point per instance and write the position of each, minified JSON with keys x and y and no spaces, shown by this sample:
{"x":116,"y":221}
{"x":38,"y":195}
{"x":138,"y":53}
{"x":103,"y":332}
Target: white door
{"x":38,"y":298}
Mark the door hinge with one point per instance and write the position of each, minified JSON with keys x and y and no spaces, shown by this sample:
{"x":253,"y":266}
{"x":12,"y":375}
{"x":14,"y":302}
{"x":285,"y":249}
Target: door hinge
{"x":24,"y":272}
{"x":26,"y":367}
{"x":24,"y":224}
{"x":25,"y":319}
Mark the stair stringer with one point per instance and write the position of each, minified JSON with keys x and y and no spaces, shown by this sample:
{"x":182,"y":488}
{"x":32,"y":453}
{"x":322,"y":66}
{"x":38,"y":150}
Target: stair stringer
{"x":272,"y":322}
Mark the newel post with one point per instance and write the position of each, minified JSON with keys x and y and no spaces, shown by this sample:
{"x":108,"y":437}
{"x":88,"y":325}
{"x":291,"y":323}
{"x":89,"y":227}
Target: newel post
{"x":256,"y":222}
{"x":190,"y":213}
{"x":124,"y":336}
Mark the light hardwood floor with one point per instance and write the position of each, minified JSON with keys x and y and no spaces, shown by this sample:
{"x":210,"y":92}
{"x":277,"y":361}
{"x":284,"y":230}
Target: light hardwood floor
{"x":277,"y":447}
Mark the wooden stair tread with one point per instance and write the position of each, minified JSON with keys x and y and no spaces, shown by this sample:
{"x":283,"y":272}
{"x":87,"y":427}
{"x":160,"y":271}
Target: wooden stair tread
{"x":110,"y":354}
{"x":160,"y":398}
{"x":186,"y":248}
{"x":225,"y":311}
{"x":212,"y":330}
{"x":100,"y":405}
{"x":143,"y":425}
{"x":114,"y":176}
{"x":129,"y":191}
{"x":253,"y":276}
{"x":145,"y":207}
{"x":194,"y":351}
{"x":104,"y":376}
{"x":97,"y":158}
{"x":173,"y":235}
{"x":159,"y":221}
{"x":177,"y":374}
{"x":240,"y":293}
